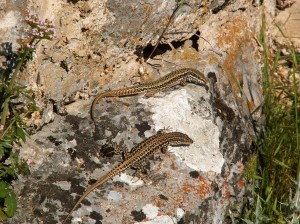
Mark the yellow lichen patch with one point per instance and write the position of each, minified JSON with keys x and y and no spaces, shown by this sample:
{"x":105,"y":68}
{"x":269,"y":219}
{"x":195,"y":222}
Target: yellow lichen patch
{"x":212,"y":59}
{"x":186,"y":54}
{"x":189,"y":53}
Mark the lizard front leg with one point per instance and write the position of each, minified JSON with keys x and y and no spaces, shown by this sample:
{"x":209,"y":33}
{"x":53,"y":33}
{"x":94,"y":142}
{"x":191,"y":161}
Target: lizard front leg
{"x":123,"y":150}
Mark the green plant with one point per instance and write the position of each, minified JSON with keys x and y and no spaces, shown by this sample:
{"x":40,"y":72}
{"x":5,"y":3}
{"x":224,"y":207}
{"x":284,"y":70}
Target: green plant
{"x":279,"y":147}
{"x":17,"y":105}
{"x":275,"y":184}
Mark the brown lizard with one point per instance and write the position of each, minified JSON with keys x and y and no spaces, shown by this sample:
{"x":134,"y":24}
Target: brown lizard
{"x":181,"y":76}
{"x":137,"y":155}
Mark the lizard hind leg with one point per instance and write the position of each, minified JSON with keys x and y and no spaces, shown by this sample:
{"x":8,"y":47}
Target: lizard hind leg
{"x":141,"y":171}
{"x":183,"y":82}
{"x":164,"y":149}
{"x":121,"y":150}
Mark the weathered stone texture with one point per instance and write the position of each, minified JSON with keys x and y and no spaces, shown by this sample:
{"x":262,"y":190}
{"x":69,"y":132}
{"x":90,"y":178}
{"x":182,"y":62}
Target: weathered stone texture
{"x":101,"y":45}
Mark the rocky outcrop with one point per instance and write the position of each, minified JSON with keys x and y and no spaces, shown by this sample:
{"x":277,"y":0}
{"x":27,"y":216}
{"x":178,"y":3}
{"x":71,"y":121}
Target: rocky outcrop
{"x":105,"y":45}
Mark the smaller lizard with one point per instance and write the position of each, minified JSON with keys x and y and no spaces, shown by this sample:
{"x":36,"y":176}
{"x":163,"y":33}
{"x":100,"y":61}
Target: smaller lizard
{"x":138,"y":154}
{"x":181,"y":76}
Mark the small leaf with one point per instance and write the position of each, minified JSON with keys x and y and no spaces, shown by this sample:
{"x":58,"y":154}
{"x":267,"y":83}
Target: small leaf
{"x":10,"y":171}
{"x":2,"y":151}
{"x":10,"y":203}
{"x":3,"y":216}
{"x":6,"y":144}
{"x":4,"y":189}
{"x":3,"y":85}
{"x":21,"y":133}
{"x":248,"y":221}
{"x":281,"y":163}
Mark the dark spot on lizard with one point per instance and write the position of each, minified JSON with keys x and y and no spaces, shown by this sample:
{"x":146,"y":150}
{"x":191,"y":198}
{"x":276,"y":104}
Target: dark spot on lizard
{"x":138,"y":215}
{"x":142,"y":128}
{"x":96,"y":216}
{"x":161,"y":196}
{"x":194,"y":174}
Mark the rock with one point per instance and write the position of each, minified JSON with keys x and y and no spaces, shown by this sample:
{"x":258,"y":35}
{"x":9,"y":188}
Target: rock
{"x":287,"y":30}
{"x":101,"y":45}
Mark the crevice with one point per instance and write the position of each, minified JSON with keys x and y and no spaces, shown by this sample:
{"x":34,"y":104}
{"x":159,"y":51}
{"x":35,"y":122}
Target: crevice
{"x":221,"y":7}
{"x":195,"y":39}
{"x":84,"y":29}
{"x":163,"y":48}
{"x":257,"y":3}
{"x":75,"y":1}
{"x":64,"y":65}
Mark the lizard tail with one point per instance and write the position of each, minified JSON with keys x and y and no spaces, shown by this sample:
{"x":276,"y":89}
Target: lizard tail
{"x":95,"y":101}
{"x":99,"y":182}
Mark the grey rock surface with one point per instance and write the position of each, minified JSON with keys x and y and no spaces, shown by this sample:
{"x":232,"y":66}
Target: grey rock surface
{"x":101,"y":45}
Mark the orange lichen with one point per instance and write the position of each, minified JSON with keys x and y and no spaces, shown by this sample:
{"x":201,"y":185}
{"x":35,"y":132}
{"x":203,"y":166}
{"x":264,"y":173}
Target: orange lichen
{"x":241,"y":167}
{"x":236,"y":37}
{"x":241,"y":183}
{"x":187,"y":54}
{"x":226,"y":190}
{"x":201,"y":190}
{"x":158,"y":202}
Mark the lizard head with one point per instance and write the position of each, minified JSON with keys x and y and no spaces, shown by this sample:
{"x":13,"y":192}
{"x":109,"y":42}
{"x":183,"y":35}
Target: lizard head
{"x":179,"y":138}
